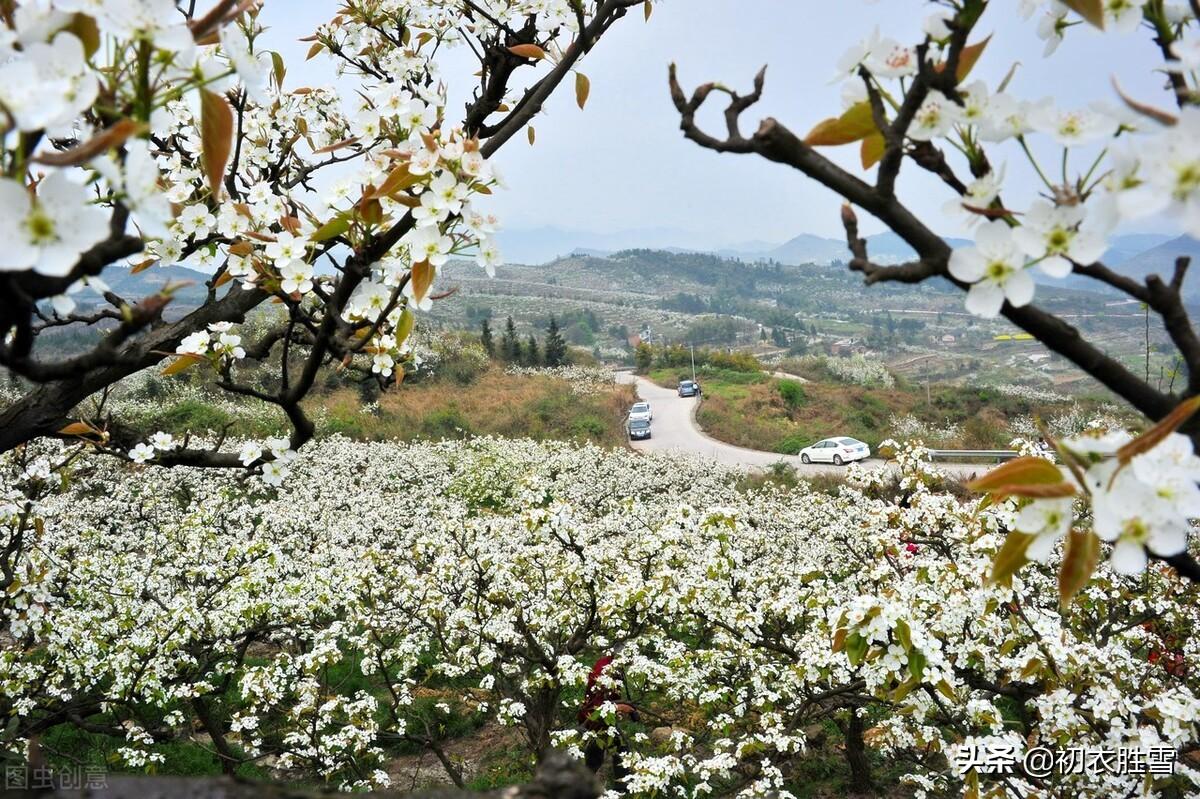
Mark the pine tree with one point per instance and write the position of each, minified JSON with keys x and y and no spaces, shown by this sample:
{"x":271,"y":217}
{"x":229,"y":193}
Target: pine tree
{"x":556,"y":345}
{"x":485,"y":338}
{"x":531,"y":356}
{"x":510,"y":346}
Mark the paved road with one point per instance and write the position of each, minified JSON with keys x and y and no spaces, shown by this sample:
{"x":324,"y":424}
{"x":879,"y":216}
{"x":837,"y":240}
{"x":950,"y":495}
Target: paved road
{"x":674,"y":429}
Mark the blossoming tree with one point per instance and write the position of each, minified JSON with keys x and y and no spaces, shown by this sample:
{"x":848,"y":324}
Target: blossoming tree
{"x":916,"y":105}
{"x":156,"y":132}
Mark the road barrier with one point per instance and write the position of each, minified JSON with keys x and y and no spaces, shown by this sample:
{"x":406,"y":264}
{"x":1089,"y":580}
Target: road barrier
{"x":994,"y":455}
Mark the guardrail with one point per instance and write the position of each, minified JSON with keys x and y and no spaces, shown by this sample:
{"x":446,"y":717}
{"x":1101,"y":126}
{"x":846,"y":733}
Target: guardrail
{"x":996,"y":455}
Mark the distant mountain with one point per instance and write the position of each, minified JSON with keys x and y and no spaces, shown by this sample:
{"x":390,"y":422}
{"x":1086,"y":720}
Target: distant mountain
{"x":134,"y":286}
{"x":1160,"y":260}
{"x":1123,"y":248}
{"x":544,"y":244}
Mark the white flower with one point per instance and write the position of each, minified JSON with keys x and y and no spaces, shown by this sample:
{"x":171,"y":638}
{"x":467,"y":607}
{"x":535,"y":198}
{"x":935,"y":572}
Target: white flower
{"x":429,"y":244}
{"x":229,"y":346}
{"x":852,"y":58}
{"x":195,"y":220}
{"x":1056,"y":235}
{"x":163,"y":441}
{"x":274,"y":473}
{"x":286,"y":248}
{"x":250,"y":452}
{"x":489,"y":255}
{"x":980,"y":194}
{"x":251,"y":67}
{"x":383,"y":363}
{"x":47,"y":233}
{"x":996,"y":269}
{"x":935,"y":117}
{"x":144,"y":194}
{"x":195,"y":344}
{"x":141,"y":453}
{"x":1170,"y":168}
{"x":1187,"y":50}
{"x":1122,"y":16}
{"x":890,"y":59}
{"x":1071,"y":128}
{"x":1052,"y":26}
{"x":296,"y":277}
{"x":1006,"y":118}
{"x":1048,"y":520}
{"x":1129,"y":513}
{"x":935,"y":25}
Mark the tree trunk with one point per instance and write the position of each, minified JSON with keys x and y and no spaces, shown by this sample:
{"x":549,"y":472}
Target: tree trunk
{"x":856,"y":755}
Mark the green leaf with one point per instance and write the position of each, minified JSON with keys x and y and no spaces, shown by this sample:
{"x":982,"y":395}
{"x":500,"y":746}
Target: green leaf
{"x":856,"y":648}
{"x":1011,"y":557}
{"x":916,"y":664}
{"x":903,"y":634}
{"x":333,"y":228}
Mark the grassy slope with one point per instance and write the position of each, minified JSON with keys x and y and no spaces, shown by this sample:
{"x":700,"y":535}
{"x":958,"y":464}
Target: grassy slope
{"x":494,"y":404}
{"x":749,"y":410}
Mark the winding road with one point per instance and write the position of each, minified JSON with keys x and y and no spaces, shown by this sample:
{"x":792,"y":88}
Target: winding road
{"x":674,"y":429}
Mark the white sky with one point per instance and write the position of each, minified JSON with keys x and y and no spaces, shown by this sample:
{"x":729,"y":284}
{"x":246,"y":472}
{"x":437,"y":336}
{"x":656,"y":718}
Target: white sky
{"x":623,"y":163}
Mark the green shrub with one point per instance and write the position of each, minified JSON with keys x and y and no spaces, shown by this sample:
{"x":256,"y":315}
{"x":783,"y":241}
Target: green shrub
{"x":792,"y":393}
{"x":193,"y":415}
{"x":590,"y":427}
{"x":446,"y":422}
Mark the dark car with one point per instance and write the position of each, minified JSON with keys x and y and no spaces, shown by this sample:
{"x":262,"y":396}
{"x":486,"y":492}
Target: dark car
{"x":639,"y":428}
{"x":689,"y":388}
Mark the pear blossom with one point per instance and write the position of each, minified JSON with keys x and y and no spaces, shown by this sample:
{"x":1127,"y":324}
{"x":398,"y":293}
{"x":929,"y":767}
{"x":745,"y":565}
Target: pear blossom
{"x":49,"y":232}
{"x":1049,"y":520}
{"x":1123,"y":16}
{"x":1058,"y":235}
{"x":296,"y":277}
{"x":936,"y":116}
{"x":164,"y":442}
{"x":995,"y":268}
{"x":250,"y":452}
{"x":489,"y":256}
{"x":1071,"y":128}
{"x":429,"y":244}
{"x":287,"y":248}
{"x":195,"y":343}
{"x":142,"y":453}
{"x":980,"y":194}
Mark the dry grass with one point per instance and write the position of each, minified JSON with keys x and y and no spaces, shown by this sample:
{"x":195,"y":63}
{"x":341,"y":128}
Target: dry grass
{"x":495,"y":404}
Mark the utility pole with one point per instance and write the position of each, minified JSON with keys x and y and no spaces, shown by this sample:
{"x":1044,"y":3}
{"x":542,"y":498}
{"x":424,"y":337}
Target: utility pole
{"x":693,"y":346}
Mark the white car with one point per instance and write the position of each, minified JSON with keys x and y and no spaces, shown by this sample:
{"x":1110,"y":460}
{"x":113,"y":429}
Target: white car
{"x":640,"y":412}
{"x":836,"y":451}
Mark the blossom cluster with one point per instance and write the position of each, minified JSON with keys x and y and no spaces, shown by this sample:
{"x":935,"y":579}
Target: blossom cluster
{"x":1147,"y":165}
{"x":740,"y":613}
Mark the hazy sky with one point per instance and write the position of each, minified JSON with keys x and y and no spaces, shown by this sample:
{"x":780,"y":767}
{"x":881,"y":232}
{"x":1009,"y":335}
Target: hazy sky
{"x":623,"y":162}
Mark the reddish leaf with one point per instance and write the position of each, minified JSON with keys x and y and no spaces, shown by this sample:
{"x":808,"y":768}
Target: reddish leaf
{"x":216,"y":137}
{"x":528,"y":51}
{"x":1030,"y":470}
{"x":422,"y":278}
{"x":99,"y":144}
{"x":1079,"y":561}
{"x":1155,"y":435}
